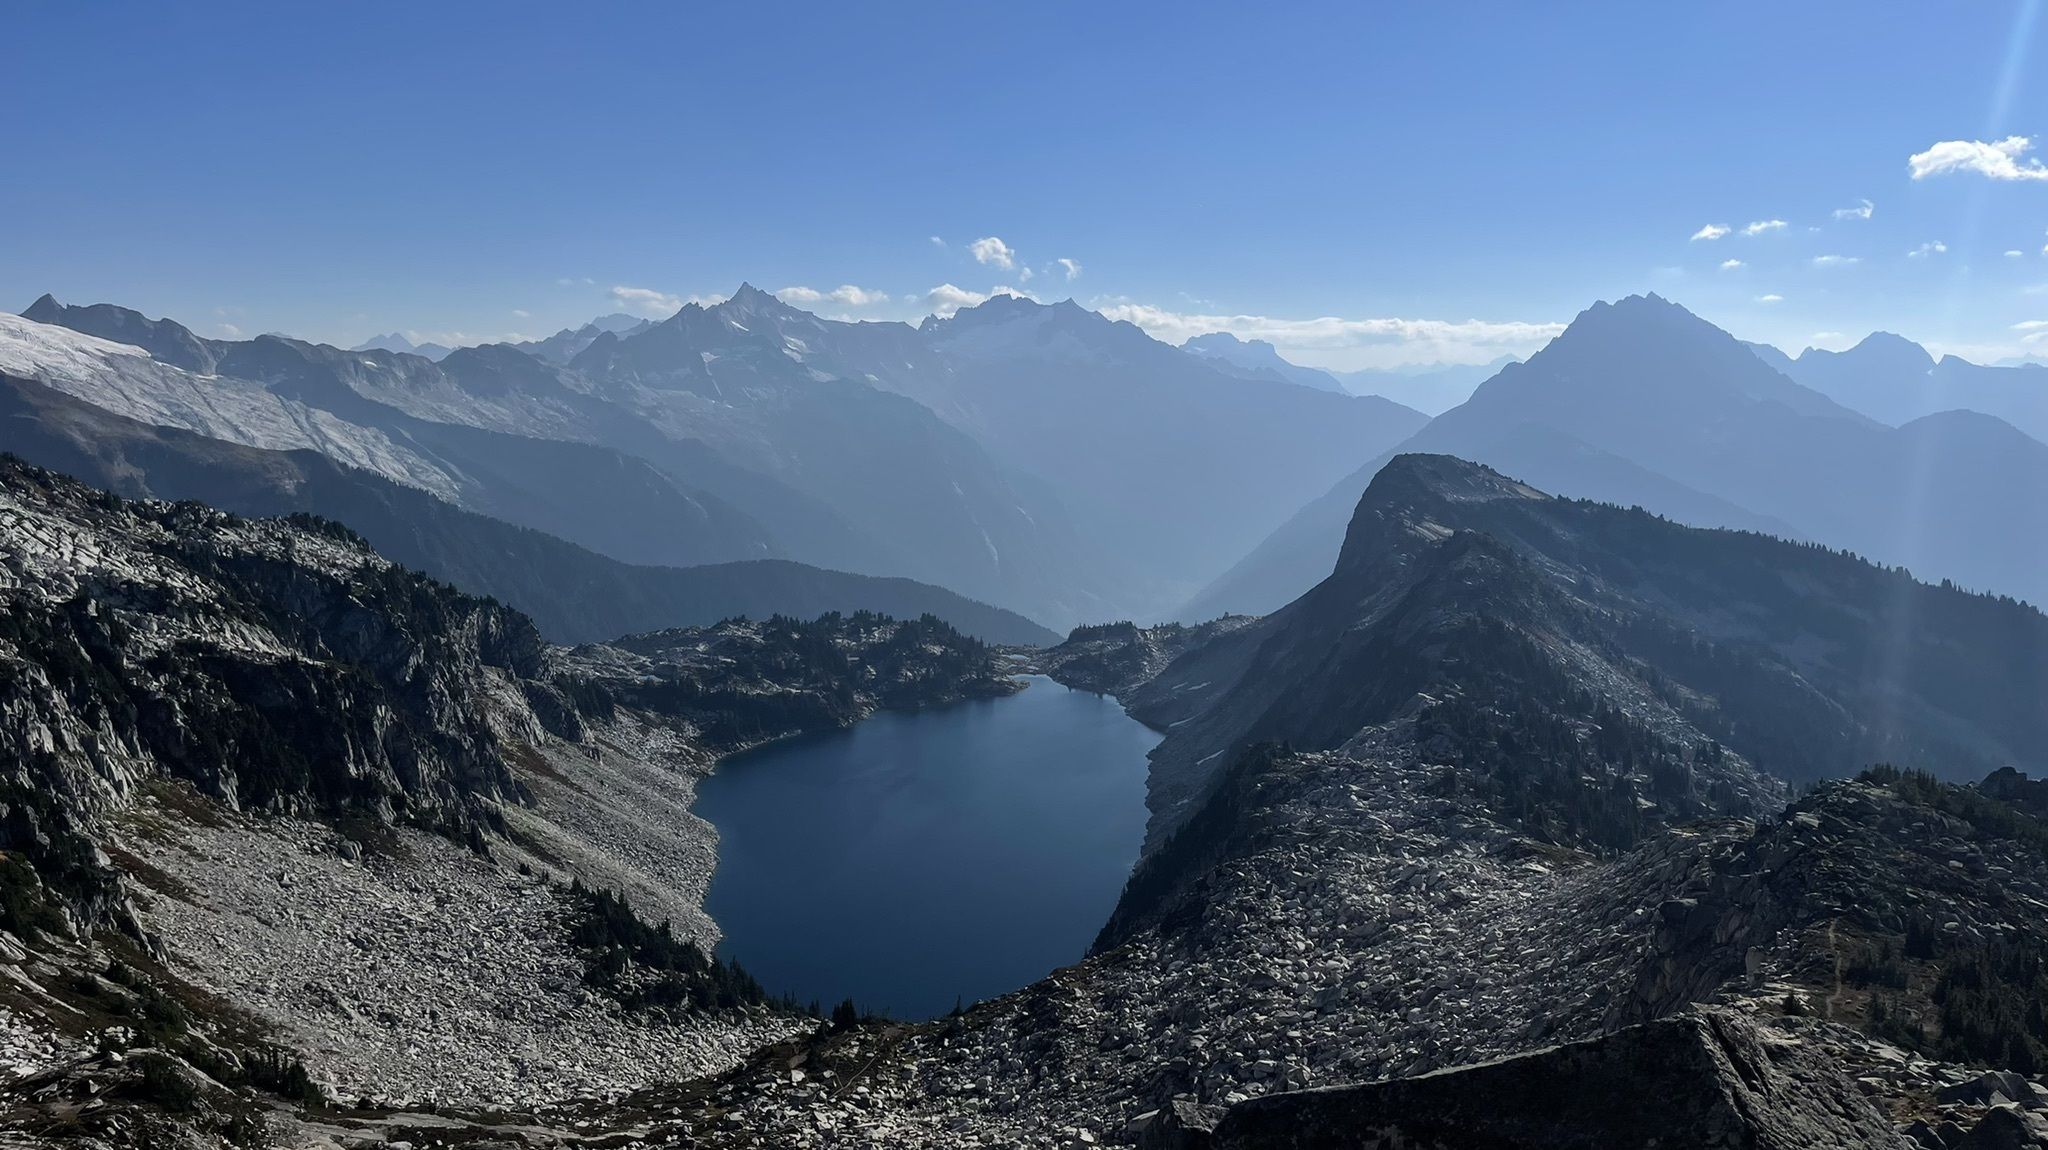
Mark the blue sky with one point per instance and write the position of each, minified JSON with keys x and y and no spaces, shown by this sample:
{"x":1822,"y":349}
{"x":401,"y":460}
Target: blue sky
{"x":1441,"y":182}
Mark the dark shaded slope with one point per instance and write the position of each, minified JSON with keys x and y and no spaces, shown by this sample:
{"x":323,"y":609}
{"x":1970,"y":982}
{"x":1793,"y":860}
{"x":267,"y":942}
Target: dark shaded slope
{"x":1696,"y":1082}
{"x":1461,"y":597}
{"x":573,"y":594}
{"x":1548,"y":457}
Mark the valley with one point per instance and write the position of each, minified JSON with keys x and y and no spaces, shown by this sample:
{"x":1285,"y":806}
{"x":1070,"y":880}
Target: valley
{"x":1063,"y":576}
{"x":655,"y":736}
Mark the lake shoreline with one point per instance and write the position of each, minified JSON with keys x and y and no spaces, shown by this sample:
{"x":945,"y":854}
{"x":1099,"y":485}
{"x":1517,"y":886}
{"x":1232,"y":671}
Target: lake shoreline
{"x":941,"y":853}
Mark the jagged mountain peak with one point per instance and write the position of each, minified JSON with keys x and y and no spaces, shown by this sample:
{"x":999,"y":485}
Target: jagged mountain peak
{"x":164,"y":339}
{"x":1007,"y":324}
{"x":1421,"y":498}
{"x":1645,"y":349}
{"x":1641,"y":315}
{"x":750,"y":300}
{"x":998,"y":308}
{"x":1883,"y":350}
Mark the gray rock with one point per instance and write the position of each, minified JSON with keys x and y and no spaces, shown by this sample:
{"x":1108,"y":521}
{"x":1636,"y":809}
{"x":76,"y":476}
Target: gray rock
{"x":1694,"y":1082}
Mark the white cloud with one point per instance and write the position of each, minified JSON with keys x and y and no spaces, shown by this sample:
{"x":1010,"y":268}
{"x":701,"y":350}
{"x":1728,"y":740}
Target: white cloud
{"x":657,"y":304}
{"x":576,"y":281}
{"x":846,"y":294}
{"x":2014,"y":253}
{"x":522,"y":313}
{"x":1930,"y":248}
{"x":853,"y":296}
{"x":992,"y":250}
{"x":2032,"y":331}
{"x":1759,"y":227}
{"x":1071,"y":267}
{"x":1732,"y":265}
{"x":1024,"y":274}
{"x":1861,"y":211}
{"x":1711,"y":232}
{"x":1832,"y":261}
{"x":230,"y":331}
{"x":947,"y":298}
{"x":936,"y":241}
{"x":1772,"y":297}
{"x":646,"y":301}
{"x":1334,"y":342}
{"x":1993,"y":159}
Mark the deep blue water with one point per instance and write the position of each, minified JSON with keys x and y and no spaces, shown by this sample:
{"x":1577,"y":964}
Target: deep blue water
{"x":921,"y":858}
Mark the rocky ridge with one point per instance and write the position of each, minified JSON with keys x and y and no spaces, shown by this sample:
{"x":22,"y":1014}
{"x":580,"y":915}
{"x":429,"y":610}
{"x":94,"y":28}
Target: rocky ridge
{"x":1719,"y":664}
{"x":1378,"y":933}
{"x":1115,"y":658}
{"x":1463,"y":858}
{"x":327,"y":807}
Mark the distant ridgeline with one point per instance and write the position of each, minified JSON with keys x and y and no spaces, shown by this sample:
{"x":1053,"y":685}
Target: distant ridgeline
{"x":988,"y":452}
{"x":572,"y":593}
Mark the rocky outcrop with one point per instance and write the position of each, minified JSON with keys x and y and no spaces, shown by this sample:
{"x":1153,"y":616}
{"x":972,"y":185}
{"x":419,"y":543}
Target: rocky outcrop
{"x":1118,"y":658}
{"x":1663,"y":672}
{"x":276,"y":665}
{"x":1707,"y":1081}
{"x":335,"y":803}
{"x":745,"y":682}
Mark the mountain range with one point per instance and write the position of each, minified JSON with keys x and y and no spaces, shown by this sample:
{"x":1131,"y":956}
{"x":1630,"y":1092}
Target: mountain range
{"x":1036,"y":457}
{"x":562,"y":346}
{"x":396,"y":342}
{"x":1642,"y":403}
{"x":1894,"y":380}
{"x":1164,"y":462}
{"x":601,"y":498}
{"x":1432,"y":388}
{"x":1257,"y":359}
{"x":1048,"y":461}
